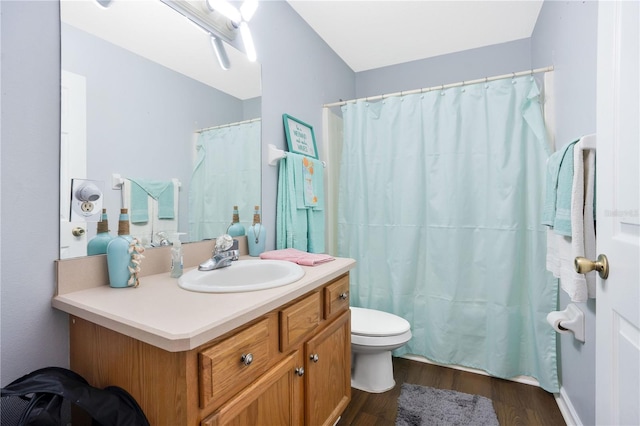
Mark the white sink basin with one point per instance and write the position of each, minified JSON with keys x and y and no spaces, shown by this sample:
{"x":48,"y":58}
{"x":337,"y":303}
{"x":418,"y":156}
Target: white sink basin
{"x":242,"y":275}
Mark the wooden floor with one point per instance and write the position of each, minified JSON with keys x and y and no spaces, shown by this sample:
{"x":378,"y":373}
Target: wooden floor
{"x":514,"y":403}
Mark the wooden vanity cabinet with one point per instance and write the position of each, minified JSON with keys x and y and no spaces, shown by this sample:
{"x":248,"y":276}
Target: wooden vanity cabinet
{"x":291,"y":366}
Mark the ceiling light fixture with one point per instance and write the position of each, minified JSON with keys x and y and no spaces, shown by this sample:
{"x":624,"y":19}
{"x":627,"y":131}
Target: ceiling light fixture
{"x":239,"y":19}
{"x":221,"y":20}
{"x":104,"y":3}
{"x":220,"y":52}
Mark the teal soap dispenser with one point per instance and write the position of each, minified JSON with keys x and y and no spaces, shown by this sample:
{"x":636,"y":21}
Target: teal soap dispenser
{"x":257,"y":234}
{"x":99,"y":243}
{"x":235,"y":229}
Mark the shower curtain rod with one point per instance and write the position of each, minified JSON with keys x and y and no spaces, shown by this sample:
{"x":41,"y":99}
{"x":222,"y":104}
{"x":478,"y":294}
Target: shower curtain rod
{"x":442,"y":87}
{"x":228,"y":125}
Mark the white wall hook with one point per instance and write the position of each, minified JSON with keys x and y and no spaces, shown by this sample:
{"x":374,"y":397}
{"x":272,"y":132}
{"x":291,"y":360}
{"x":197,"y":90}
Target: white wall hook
{"x":116,"y":181}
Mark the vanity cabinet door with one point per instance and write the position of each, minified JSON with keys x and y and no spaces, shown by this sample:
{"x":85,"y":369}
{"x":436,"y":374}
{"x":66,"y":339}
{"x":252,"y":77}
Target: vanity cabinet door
{"x":299,"y":320}
{"x":328,"y":372}
{"x":274,"y":399}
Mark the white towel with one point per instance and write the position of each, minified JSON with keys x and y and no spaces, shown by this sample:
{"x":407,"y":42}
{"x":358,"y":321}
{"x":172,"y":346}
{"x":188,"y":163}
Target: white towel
{"x":562,"y":250}
{"x":589,"y":216}
{"x":147,"y":231}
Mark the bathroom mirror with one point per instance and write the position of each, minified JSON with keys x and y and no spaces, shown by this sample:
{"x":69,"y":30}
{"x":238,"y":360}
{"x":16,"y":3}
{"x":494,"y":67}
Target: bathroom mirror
{"x":139,"y":83}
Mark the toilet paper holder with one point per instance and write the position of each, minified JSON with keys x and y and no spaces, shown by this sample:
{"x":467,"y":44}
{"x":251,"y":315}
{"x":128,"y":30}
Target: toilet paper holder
{"x":571,"y":320}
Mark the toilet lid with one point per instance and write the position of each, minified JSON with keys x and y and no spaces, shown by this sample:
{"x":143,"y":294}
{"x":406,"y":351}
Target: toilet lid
{"x":369,"y":322}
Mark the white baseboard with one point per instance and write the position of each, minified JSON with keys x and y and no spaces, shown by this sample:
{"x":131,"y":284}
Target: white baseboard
{"x":569,"y":414}
{"x":564,"y":403}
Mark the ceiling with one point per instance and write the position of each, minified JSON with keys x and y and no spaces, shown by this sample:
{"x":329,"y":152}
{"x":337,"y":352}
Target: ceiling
{"x":366,"y":34}
{"x":369,"y":34}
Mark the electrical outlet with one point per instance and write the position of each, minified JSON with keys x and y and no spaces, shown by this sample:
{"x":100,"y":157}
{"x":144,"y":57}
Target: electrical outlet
{"x":86,"y":206}
{"x":86,"y":200}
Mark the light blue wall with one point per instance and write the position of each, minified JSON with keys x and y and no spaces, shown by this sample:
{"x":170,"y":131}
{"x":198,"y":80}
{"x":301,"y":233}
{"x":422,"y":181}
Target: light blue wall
{"x":300,"y":73}
{"x":565,"y":36}
{"x":445,"y":69}
{"x":33,"y":335}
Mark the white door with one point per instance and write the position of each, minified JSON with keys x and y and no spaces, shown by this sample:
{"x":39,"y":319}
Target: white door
{"x":618,"y":217}
{"x":73,"y":160}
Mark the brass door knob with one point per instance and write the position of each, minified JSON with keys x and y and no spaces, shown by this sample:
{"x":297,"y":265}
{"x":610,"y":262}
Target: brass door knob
{"x":584,"y":265}
{"x":77,"y":231}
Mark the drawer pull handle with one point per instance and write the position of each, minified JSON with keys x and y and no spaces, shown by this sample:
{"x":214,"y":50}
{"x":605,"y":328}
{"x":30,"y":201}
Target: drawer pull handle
{"x":246,"y":359}
{"x":344,"y":296}
{"x":299,"y":371}
{"x":314,"y":357}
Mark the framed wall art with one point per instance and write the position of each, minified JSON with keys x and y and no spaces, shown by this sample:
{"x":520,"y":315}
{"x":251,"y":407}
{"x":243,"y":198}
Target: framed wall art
{"x":300,"y":136}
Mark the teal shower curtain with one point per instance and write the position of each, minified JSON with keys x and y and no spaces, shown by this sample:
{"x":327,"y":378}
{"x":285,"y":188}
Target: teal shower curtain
{"x":440,"y":199}
{"x":226,"y":173}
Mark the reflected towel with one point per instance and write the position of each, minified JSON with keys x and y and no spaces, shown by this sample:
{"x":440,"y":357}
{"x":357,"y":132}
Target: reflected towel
{"x":141,"y":190}
{"x":297,"y":256}
{"x":146,"y":231}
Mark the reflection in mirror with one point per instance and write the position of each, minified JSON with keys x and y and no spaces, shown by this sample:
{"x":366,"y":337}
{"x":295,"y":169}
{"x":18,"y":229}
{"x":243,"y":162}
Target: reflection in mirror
{"x":143,"y":96}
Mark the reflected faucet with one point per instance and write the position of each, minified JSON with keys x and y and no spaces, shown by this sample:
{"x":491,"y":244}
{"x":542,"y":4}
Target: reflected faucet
{"x":224,"y":252}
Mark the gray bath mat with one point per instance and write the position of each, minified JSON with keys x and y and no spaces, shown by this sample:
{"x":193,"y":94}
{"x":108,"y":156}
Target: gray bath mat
{"x":422,"y":406}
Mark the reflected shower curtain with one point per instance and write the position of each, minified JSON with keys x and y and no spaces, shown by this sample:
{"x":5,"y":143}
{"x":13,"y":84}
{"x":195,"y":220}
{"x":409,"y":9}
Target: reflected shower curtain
{"x":439,"y":202}
{"x":226,"y":173}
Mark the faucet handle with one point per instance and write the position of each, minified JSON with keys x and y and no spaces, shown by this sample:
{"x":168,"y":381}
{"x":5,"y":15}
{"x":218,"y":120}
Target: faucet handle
{"x":223,"y":243}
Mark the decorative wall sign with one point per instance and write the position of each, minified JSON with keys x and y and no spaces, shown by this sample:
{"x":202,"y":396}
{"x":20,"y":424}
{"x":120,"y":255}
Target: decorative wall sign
{"x":300,"y":137}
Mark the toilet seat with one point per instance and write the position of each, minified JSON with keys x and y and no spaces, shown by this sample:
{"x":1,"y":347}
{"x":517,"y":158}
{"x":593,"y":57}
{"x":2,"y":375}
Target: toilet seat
{"x":373,"y":323}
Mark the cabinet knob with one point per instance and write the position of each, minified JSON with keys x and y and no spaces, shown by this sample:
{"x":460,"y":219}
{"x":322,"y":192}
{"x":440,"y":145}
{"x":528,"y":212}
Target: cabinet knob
{"x":246,"y":359}
{"x":314,"y":357}
{"x":299,"y":371}
{"x":344,"y":295}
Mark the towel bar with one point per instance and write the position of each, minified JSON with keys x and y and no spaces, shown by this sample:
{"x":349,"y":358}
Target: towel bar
{"x":117,"y":180}
{"x":274,"y":154}
{"x":588,"y":141}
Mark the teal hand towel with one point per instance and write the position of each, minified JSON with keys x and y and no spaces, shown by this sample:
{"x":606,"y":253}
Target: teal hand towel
{"x":162,"y":191}
{"x":559,"y":182}
{"x":311,"y":175}
{"x":315,"y":233}
{"x":291,"y":222}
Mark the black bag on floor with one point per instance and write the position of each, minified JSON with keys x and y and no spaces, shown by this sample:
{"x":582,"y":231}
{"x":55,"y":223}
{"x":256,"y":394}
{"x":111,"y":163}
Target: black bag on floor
{"x":37,"y":399}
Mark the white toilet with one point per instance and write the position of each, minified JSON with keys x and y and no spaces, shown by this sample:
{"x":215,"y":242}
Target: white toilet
{"x":374,"y":334}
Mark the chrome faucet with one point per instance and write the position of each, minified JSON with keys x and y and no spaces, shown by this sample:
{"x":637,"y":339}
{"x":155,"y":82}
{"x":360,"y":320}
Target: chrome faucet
{"x":224,"y":252}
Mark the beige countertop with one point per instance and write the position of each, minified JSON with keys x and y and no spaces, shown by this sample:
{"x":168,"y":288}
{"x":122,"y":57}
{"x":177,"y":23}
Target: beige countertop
{"x":162,"y":314}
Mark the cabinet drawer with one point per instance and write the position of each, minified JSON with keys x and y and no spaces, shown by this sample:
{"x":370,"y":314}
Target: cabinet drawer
{"x":225,"y":368}
{"x":336,"y":297}
{"x":299,"y":320}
